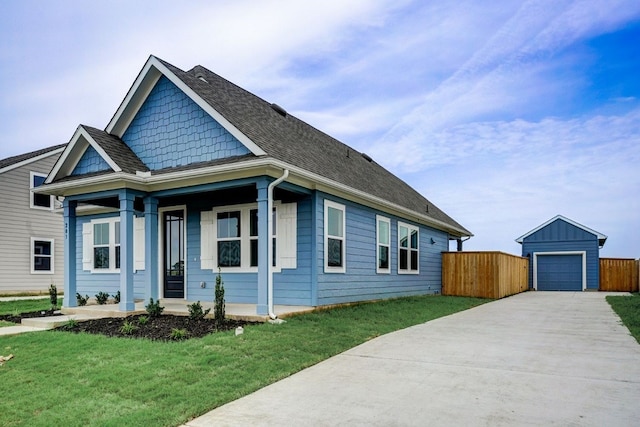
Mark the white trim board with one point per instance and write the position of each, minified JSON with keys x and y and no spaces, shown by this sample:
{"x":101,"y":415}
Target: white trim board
{"x":584,"y":265}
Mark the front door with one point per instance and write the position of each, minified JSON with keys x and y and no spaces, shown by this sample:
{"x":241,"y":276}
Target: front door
{"x":173,"y":254}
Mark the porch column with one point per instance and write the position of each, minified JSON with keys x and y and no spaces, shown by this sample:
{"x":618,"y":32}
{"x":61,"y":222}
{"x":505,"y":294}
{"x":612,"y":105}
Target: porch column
{"x":262,"y":307}
{"x":126,"y":251}
{"x":151,"y":247}
{"x":70,"y":255}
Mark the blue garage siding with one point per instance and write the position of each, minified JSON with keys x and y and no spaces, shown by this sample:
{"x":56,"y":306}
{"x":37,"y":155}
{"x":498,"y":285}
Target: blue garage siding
{"x":91,"y":283}
{"x":560,"y":236}
{"x":559,"y":273}
{"x":361,"y":282}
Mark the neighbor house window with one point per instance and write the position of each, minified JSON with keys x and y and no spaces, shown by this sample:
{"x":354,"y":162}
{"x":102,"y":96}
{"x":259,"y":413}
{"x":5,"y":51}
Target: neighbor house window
{"x":106,"y":245}
{"x":408,"y":249}
{"x":42,"y":256}
{"x":334,"y":237}
{"x":383,"y":232}
{"x":39,"y":201}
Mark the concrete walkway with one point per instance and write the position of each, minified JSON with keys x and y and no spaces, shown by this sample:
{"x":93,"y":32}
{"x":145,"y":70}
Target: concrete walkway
{"x":534,"y":359}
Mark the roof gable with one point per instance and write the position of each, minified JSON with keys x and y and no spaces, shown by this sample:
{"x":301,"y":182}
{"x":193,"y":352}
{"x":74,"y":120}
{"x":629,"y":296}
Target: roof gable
{"x":553,"y":222}
{"x":105,"y":150}
{"x":170,"y":130}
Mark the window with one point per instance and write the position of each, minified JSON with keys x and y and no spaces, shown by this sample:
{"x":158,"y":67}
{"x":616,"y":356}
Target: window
{"x":334,"y":237}
{"x":408,"y":249}
{"x":106,"y":245}
{"x":229,"y":239}
{"x":253,"y":236}
{"x":383,"y":232}
{"x":39,"y":201}
{"x":42,"y":256}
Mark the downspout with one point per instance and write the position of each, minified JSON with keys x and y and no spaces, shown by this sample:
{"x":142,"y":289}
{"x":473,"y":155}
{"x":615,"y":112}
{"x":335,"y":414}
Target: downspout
{"x":270,"y":233}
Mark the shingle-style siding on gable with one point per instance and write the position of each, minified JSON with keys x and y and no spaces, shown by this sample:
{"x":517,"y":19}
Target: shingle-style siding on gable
{"x":171,"y":130}
{"x":90,"y":162}
{"x":19,"y":223}
{"x":560,"y":236}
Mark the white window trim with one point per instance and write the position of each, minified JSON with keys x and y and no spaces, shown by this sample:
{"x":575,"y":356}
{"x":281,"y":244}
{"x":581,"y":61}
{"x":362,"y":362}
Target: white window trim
{"x":32,"y":194}
{"x":378,"y":244}
{"x":584,"y":265}
{"x":342,"y":269}
{"x":33,"y":255}
{"x":410,"y":228}
{"x":112,"y":246}
{"x":245,"y":238}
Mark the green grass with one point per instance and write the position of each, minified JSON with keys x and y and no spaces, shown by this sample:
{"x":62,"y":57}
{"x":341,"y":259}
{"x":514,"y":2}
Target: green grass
{"x":4,"y":323}
{"x":26,"y":306}
{"x":60,"y":378}
{"x":628,"y":308}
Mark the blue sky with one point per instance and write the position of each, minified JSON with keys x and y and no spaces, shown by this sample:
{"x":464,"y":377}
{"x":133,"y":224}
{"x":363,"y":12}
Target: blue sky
{"x":502,"y":113}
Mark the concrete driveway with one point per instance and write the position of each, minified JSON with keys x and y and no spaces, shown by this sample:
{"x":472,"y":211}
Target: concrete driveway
{"x":538,"y":358}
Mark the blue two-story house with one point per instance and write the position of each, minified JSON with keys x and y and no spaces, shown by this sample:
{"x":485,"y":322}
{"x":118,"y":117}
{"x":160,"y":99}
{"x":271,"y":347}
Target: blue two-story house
{"x":194,"y":175}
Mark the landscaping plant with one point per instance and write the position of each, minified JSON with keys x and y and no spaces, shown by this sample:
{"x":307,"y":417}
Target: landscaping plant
{"x":195,"y":311}
{"x":102,"y":297}
{"x":154,"y":308}
{"x":116,"y":297}
{"x":81,"y":300}
{"x":218,"y":312}
{"x":53,"y":296}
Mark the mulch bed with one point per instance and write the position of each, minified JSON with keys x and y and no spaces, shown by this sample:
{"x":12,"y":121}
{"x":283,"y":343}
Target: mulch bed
{"x":155,"y":328}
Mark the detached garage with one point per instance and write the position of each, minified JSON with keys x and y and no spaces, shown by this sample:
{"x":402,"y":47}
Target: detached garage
{"x":564,"y":255}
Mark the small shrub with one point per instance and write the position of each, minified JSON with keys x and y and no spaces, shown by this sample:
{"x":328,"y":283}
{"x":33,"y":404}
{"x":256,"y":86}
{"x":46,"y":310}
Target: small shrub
{"x":127,"y":327}
{"x":102,"y":297}
{"x":218,"y":312}
{"x":195,"y":311}
{"x":116,"y":297}
{"x":154,"y":308}
{"x":82,"y":300}
{"x":143,"y":320}
{"x":53,"y":296}
{"x":179,"y":334}
{"x":71,"y":323}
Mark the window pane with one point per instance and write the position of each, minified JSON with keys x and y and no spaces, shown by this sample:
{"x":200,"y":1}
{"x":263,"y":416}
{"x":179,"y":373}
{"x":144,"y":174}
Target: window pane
{"x":334,"y":228}
{"x":404,"y":237}
{"x":101,"y":234}
{"x":38,"y":181}
{"x":254,"y":253}
{"x":274,"y":221}
{"x":117,"y":256}
{"x":42,"y":263}
{"x":42,"y":200}
{"x":414,"y":260}
{"x":253,"y":222}
{"x":116,"y":227}
{"x":414,"y":239}
{"x":403,"y":259}
{"x":383,"y":230}
{"x":229,"y":253}
{"x":101,"y":257}
{"x":383,"y":257}
{"x":334,"y":253}
{"x":228,"y":224}
{"x":41,"y":248}
{"x":275,"y":256}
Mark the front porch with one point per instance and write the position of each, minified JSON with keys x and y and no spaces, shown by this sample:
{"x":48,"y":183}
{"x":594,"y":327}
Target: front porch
{"x":246,"y":312}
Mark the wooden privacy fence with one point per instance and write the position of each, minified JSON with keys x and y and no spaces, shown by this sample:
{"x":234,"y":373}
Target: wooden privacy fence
{"x":619,"y":275}
{"x":484,"y":274}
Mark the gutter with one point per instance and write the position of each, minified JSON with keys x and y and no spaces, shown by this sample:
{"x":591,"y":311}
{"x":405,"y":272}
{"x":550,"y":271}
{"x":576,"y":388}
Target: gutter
{"x":284,"y":176}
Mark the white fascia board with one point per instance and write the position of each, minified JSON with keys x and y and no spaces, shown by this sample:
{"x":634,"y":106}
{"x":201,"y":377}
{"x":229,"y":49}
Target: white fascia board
{"x":600,"y":236}
{"x":31,"y":160}
{"x":297,"y":176}
{"x":73,"y":153}
{"x":143,"y":85}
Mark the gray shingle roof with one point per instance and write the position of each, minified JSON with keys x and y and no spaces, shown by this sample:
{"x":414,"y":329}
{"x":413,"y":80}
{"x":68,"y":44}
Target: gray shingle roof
{"x":119,"y":152}
{"x":293,"y":141}
{"x":22,"y":157}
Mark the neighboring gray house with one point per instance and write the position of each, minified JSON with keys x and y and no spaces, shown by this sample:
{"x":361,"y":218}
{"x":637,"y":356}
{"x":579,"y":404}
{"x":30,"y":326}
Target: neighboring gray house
{"x":31,"y":233}
{"x":564,"y":255}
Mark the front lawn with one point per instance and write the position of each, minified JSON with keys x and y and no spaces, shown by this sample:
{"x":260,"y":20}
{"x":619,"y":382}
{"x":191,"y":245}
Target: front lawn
{"x":628,"y":308}
{"x":26,"y":306}
{"x":61,"y":378}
